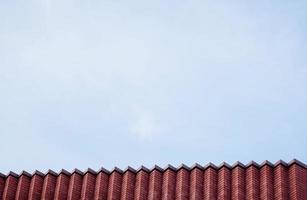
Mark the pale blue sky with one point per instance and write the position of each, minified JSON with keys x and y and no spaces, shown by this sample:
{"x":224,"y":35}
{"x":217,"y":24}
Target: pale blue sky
{"x":117,"y":83}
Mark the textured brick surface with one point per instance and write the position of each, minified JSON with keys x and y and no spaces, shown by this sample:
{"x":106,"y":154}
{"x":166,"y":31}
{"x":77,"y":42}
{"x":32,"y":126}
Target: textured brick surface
{"x":169,"y":185}
{"x":75,"y":186}
{"x":115,"y":183}
{"x":23,"y":187}
{"x":141,"y":185}
{"x":280,"y":181}
{"x":36,"y":187}
{"x":101,"y":187}
{"x":88,"y":186}
{"x":61,"y":189}
{"x":10,"y":187}
{"x":128,"y":186}
{"x":155,"y":185}
{"x":2,"y":184}
{"x":252,"y":183}
{"x":210,"y":184}
{"x":182,"y":184}
{"x":196,"y":184}
{"x":266,"y":183}
{"x":238,"y":183}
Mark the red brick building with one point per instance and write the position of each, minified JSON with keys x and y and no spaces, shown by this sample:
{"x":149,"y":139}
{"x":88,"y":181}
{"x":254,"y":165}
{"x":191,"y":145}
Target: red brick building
{"x":281,"y":181}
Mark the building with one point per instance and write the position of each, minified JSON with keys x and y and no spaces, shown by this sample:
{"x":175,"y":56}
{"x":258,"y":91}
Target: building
{"x":280,"y":181}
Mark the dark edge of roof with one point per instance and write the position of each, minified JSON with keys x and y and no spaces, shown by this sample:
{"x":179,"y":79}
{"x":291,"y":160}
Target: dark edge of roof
{"x":211,"y":165}
{"x":281,"y":162}
{"x":12,"y":174}
{"x":116,"y":169}
{"x":77,"y":171}
{"x":130,"y":169}
{"x":156,"y":167}
{"x":238,"y":164}
{"x":253,"y":163}
{"x":2,"y":175}
{"x":198,"y":166}
{"x":104,"y":170}
{"x":142,"y":168}
{"x":170,"y":167}
{"x":25,"y":173}
{"x":63,"y":171}
{"x":295,"y":161}
{"x":266,"y":163}
{"x":224,"y":164}
{"x":91,"y":171}
{"x":183,"y":166}
{"x":53,"y":173}
{"x":38,"y":173}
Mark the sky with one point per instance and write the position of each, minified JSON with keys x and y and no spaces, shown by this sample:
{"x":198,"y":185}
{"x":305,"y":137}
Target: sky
{"x":107,"y":83}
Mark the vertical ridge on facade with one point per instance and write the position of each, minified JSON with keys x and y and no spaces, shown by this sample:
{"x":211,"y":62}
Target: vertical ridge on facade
{"x":267,"y":182}
{"x":210,"y":183}
{"x":115,"y":183}
{"x":155,"y":184}
{"x":183,"y":183}
{"x":297,"y":182}
{"x":252,"y":182}
{"x":141,"y":184}
{"x":2,"y":185}
{"x":196,"y":182}
{"x":101,"y":185}
{"x":49,"y":185}
{"x":169,"y":184}
{"x":10,"y":186}
{"x":36,"y":186}
{"x":23,"y":186}
{"x":224,"y":183}
{"x":281,"y":182}
{"x":62,"y":184}
{"x":128,"y":185}
{"x":238,"y":182}
{"x":75,"y":185}
{"x":88,"y":185}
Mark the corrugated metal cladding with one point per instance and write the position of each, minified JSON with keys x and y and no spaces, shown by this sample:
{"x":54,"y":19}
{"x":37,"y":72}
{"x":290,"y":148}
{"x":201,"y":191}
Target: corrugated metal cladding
{"x":281,"y":181}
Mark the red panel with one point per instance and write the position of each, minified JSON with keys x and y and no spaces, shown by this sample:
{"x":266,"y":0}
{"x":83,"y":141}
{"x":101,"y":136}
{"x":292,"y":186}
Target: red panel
{"x":266,"y":183}
{"x":2,"y":185}
{"x":49,"y":187}
{"x":169,"y":185}
{"x":141,"y":185}
{"x":75,"y":186}
{"x":224,"y":184}
{"x":252,"y":183}
{"x":155,"y":185}
{"x":88,"y":186}
{"x":182,"y":184}
{"x":101,"y":188}
{"x":10,"y":187}
{"x":297,"y":182}
{"x":115,"y":182}
{"x":210,"y":184}
{"x":23,"y":187}
{"x":36,"y":187}
{"x":238,"y":183}
{"x":61,"y":189}
{"x":128,"y":185}
{"x":281,"y":183}
{"x":196,"y":184}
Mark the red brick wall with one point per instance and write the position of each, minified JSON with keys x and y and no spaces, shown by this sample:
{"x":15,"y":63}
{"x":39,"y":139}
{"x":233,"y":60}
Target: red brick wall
{"x":281,"y":181}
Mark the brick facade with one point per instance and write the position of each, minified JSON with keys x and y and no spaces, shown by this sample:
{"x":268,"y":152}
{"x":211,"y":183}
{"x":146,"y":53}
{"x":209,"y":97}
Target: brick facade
{"x":279,"y":181}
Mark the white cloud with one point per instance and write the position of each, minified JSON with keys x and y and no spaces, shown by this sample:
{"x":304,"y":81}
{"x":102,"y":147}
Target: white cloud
{"x":143,"y":125}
